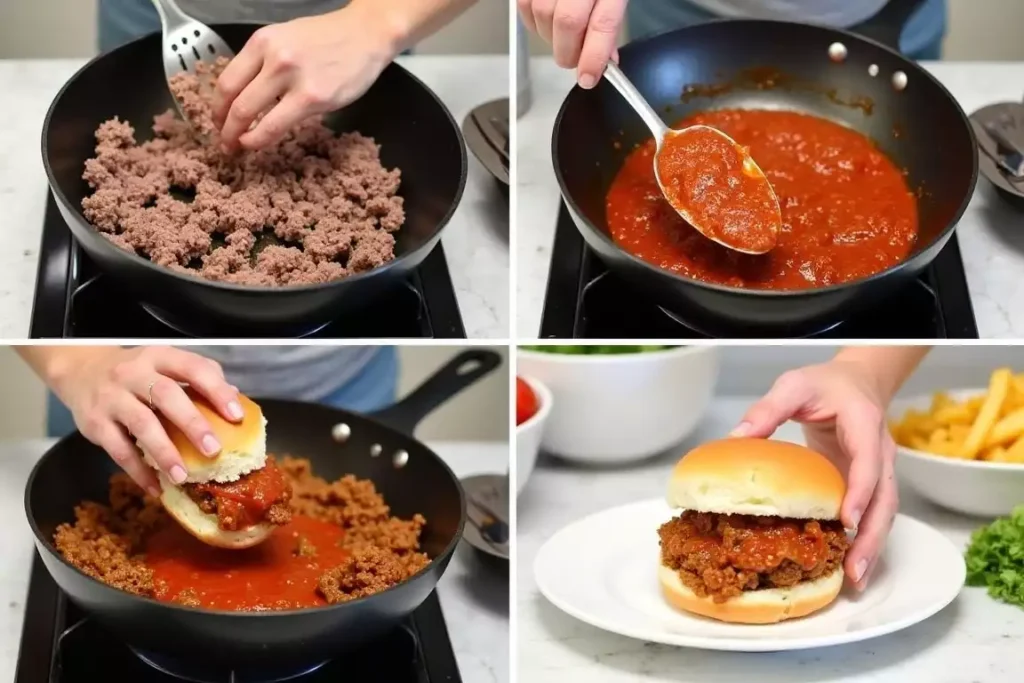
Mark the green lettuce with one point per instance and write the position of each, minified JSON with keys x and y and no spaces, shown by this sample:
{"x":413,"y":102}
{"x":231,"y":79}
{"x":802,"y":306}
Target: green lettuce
{"x":995,"y":558}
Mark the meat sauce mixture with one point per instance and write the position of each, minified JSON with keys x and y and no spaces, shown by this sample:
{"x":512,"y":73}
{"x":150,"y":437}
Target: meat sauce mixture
{"x":847,"y":212}
{"x":340,"y":543}
{"x":723,"y":555}
{"x":708,"y":176}
{"x":259,"y":496}
{"x":312,"y":208}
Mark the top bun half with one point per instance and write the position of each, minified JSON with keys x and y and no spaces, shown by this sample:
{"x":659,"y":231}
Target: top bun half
{"x":243,"y":444}
{"x":757,"y":477}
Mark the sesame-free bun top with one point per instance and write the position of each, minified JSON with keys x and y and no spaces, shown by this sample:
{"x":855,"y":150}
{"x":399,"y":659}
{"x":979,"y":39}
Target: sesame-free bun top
{"x":757,"y":477}
{"x":243,"y":444}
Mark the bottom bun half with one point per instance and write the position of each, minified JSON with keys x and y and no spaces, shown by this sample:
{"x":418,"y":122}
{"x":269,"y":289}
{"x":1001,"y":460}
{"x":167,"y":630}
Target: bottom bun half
{"x":768,"y":606}
{"x":203,"y":525}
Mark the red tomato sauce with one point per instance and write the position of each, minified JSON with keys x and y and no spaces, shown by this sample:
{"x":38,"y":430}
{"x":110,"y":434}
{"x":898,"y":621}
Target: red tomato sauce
{"x":271,"y":575}
{"x":707,"y":176}
{"x":246,"y":501}
{"x":847,"y":212}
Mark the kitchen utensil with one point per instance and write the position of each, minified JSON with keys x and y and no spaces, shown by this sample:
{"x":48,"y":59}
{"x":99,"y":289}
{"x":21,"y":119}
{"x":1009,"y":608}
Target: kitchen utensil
{"x":530,"y":433}
{"x":1008,"y":154}
{"x":603,"y":570}
{"x":595,"y":131}
{"x":663,"y":133}
{"x":378,"y":447}
{"x":487,"y":509}
{"x":487,"y":136}
{"x":991,"y":163}
{"x":424,"y":142}
{"x":622,"y":408}
{"x":972,"y":487}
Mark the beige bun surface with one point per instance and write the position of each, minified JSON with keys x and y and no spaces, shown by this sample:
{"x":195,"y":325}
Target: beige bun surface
{"x":757,"y":477}
{"x":243,"y":444}
{"x":768,"y":606}
{"x":204,"y":526}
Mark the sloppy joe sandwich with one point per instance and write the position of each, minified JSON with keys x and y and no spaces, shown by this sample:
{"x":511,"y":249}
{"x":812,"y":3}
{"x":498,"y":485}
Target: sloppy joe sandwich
{"x":238,"y":497}
{"x":758,"y":539}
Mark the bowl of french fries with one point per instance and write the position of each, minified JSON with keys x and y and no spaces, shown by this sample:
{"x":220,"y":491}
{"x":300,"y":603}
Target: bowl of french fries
{"x":964,"y":449}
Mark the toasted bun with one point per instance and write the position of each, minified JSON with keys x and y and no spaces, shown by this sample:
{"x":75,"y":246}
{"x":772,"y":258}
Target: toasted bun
{"x":757,"y":477}
{"x":766,"y":606}
{"x":204,"y":526}
{"x":243,"y":444}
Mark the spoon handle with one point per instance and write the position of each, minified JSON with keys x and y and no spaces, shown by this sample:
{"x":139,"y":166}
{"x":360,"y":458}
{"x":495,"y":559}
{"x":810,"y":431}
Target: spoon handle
{"x":632,"y":96}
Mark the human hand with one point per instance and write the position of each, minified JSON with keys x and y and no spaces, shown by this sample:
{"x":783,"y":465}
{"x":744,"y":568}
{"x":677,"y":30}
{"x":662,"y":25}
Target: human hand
{"x":299,"y":69}
{"x":582,"y":33}
{"x":842,"y":411}
{"x":114,"y":398}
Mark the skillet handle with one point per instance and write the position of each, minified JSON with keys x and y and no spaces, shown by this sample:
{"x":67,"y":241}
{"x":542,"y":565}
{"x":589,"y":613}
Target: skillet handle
{"x":887,"y":26}
{"x":460,"y":372}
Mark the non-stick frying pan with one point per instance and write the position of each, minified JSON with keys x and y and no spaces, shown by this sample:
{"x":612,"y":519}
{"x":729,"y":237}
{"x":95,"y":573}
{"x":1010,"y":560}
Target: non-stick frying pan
{"x":379,"y":447}
{"x":417,"y":133}
{"x":922,"y":128}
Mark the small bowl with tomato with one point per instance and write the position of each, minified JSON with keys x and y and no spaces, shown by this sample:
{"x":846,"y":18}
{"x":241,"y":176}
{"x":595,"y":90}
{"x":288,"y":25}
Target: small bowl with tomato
{"x":533,"y":405}
{"x":621,"y":404}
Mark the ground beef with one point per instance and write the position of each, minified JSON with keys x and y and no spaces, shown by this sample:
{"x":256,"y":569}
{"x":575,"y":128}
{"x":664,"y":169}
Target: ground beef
{"x":106,"y":541}
{"x":723,"y":555}
{"x":254,"y":498}
{"x":312,"y":208}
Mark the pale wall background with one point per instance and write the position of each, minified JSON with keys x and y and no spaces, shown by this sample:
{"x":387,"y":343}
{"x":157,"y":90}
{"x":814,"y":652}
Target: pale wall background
{"x":67,"y":28}
{"x":978,"y":30}
{"x":480,"y":413}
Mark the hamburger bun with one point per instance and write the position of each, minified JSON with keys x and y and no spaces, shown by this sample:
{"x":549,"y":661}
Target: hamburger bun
{"x":767,"y":606}
{"x":243,"y":450}
{"x":742,"y":476}
{"x":243,"y":444}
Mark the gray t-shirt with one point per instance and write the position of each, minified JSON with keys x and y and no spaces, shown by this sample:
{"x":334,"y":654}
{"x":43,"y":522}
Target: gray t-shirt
{"x":305,"y":373}
{"x":269,"y":11}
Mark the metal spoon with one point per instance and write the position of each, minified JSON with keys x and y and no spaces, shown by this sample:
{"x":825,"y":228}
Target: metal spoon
{"x":661,"y":132}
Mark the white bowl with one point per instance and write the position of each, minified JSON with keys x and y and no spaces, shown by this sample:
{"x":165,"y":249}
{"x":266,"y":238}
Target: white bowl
{"x":973,"y":487}
{"x":623,"y":407}
{"x":529,"y":434}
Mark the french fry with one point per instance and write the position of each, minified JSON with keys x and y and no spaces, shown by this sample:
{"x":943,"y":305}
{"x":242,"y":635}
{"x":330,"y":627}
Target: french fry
{"x":1007,"y":429}
{"x":998,"y":386}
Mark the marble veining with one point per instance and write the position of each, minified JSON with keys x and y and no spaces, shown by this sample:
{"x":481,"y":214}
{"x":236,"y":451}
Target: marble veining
{"x":991,"y":232}
{"x":475,"y":241}
{"x":973,"y":640}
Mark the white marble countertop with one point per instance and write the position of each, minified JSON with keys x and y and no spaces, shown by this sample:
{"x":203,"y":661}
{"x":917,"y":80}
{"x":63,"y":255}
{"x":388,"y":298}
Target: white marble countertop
{"x":475,"y":241}
{"x":991,"y":233}
{"x":474,"y":595}
{"x":974,"y":640}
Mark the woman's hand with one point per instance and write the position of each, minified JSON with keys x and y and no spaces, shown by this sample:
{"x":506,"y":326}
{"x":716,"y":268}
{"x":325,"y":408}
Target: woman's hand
{"x":114,"y":396}
{"x":842,"y":409}
{"x":299,"y":69}
{"x":582,"y":33}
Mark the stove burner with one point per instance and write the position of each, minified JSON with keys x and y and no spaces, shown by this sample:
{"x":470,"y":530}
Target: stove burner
{"x":732,"y":333}
{"x":197,"y":673}
{"x":170,"y":321}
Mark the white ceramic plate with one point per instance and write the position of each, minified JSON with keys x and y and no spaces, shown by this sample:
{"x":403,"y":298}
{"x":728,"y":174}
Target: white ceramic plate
{"x":603,"y":571}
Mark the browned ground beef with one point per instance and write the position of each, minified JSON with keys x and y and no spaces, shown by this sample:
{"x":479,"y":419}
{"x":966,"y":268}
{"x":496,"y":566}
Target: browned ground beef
{"x":723,"y":555}
{"x":312,"y":208}
{"x":105,"y":541}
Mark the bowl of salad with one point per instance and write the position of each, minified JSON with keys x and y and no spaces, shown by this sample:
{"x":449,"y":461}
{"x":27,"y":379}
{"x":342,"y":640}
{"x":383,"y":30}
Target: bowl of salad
{"x":533,"y":405}
{"x":617,"y":404}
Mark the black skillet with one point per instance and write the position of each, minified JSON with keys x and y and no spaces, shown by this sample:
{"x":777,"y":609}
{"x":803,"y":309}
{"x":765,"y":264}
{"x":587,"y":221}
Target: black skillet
{"x":922,"y":128}
{"x":417,"y":133}
{"x":378,"y":447}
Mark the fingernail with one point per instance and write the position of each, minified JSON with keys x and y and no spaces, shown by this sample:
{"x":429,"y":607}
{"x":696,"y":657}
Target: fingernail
{"x":855,"y":518}
{"x":587,"y":81}
{"x":858,"y":569}
{"x":178,"y":474}
{"x":742,"y":429}
{"x":210,"y":445}
{"x":235,"y":410}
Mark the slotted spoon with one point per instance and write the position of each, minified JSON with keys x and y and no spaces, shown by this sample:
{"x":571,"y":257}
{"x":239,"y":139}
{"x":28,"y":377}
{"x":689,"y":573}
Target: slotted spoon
{"x":186,"y":43}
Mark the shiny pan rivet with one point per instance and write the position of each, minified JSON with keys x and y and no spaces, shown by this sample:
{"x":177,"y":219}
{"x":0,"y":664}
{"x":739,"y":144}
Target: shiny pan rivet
{"x":376,"y":449}
{"x":341,"y":432}
{"x":400,"y":459}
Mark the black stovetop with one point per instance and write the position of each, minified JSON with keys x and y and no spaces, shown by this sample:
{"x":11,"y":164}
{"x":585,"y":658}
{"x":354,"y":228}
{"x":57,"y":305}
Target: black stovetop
{"x":74,"y":300}
{"x":60,"y":644}
{"x":584,"y":300}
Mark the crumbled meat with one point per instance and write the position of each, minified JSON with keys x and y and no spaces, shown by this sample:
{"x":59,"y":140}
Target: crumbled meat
{"x":312,"y":208}
{"x":304,"y":548}
{"x":367,"y":570}
{"x":723,"y":555}
{"x":188,"y":597}
{"x":254,"y":498}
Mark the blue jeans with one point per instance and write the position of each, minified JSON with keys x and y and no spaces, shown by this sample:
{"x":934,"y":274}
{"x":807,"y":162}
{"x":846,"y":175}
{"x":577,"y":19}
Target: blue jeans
{"x":921,"y":39}
{"x":374,"y":388}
